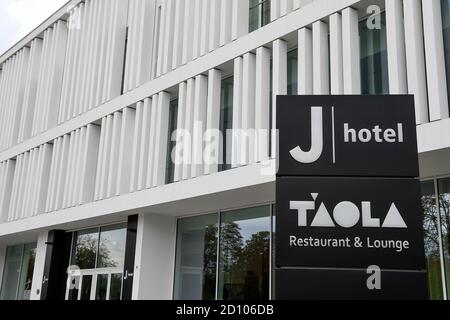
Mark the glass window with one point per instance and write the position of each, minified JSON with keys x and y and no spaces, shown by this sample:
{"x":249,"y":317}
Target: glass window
{"x":99,"y":247}
{"x":196,"y":258}
{"x":18,"y":272}
{"x":292,"y":60}
{"x":373,"y":53}
{"x":432,"y":245}
{"x":115,"y":291}
{"x":85,"y":245}
{"x":173,"y":119}
{"x":111,"y":248}
{"x":86,"y":288}
{"x":259,"y":14}
{"x":102,"y":287}
{"x":444,"y":207}
{"x":245,"y":254}
{"x":226,"y":122}
{"x":446,"y":27}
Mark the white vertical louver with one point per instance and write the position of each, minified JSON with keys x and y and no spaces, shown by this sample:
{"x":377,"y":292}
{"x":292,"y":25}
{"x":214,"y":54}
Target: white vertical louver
{"x":73,"y":169}
{"x":95,"y":56}
{"x":30,"y":183}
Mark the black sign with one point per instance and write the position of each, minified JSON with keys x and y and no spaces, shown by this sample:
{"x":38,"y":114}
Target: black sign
{"x":366,"y":284}
{"x":349,"y":223}
{"x":369,"y":136}
{"x":348,"y":203}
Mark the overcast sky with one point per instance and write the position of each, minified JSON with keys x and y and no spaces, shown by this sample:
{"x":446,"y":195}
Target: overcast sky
{"x":19,"y":17}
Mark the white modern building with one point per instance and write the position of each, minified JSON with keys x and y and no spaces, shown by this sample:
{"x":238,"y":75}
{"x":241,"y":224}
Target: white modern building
{"x":92,"y":205}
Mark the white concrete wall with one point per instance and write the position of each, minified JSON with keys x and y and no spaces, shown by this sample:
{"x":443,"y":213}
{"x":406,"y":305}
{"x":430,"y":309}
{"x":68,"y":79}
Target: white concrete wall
{"x":155,"y":257}
{"x":38,"y":274}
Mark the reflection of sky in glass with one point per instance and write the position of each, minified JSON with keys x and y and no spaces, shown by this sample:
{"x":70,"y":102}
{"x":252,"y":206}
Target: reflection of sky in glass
{"x":112,"y":242}
{"x":253,"y":226}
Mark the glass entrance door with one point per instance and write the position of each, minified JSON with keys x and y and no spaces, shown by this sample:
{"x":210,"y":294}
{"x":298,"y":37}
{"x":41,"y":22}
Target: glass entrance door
{"x":94,"y":285}
{"x":96,"y":264}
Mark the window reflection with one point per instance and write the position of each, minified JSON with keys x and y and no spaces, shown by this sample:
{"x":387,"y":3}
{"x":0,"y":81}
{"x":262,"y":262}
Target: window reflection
{"x":99,"y":248}
{"x":102,"y":287}
{"x":111,"y":247}
{"x":85,"y":244}
{"x":245,"y":255}
{"x":259,"y":14}
{"x":18,"y":272}
{"x":292,"y":72}
{"x":195,"y":277}
{"x":432,"y":246}
{"x":444,"y":206}
{"x":226,"y":122}
{"x":373,"y":53}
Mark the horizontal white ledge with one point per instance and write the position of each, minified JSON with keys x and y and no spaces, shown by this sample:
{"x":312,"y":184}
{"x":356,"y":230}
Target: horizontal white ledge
{"x":292,"y":22}
{"x":434,"y":136}
{"x":226,"y":190}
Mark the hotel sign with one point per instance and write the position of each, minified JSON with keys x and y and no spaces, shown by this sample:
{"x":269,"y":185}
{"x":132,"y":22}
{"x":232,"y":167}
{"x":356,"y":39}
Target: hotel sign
{"x":367,"y":136}
{"x":347,"y":194}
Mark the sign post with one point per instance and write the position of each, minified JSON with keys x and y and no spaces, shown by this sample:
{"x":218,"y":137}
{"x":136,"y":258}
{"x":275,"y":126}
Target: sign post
{"x":349,"y":222}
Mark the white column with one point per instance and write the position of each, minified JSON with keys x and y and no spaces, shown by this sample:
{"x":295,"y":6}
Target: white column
{"x":225,"y":28}
{"x":434,"y":54}
{"x":305,"y":61}
{"x":285,"y":7}
{"x":200,"y":102}
{"x":415,"y":58}
{"x":125,"y":151}
{"x":197,"y":29}
{"x":237,"y":110}
{"x":205,"y":27}
{"x":155,"y":258}
{"x":336,"y":59}
{"x":114,"y":162}
{"x":262,"y":103}
{"x":188,"y":32}
{"x":168,"y":34}
{"x":213,"y":144}
{"x":177,"y":54}
{"x":188,"y":126}
{"x":152,"y":141}
{"x":274,"y":9}
{"x":279,"y":84}
{"x":161,"y":139}
{"x":321,"y":73}
{"x":350,"y":49}
{"x":395,"y":34}
{"x":145,"y":143}
{"x":39,"y":264}
{"x":214,"y":24}
{"x":248,"y":109}
{"x":240,"y":18}
{"x":135,"y":155}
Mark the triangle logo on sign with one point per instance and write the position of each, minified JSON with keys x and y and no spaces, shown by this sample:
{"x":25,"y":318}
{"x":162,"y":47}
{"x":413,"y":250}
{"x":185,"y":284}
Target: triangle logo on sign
{"x":322,"y":218}
{"x":394,"y":219}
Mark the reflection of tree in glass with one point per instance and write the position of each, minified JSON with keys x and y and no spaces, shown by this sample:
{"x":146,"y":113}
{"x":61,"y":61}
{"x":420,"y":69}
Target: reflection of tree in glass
{"x":444,"y":204}
{"x":209,"y":263}
{"x":86,"y":253}
{"x":232,"y":243}
{"x":431,"y":226}
{"x":432,"y":248}
{"x":244,"y":264}
{"x":105,"y":259}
